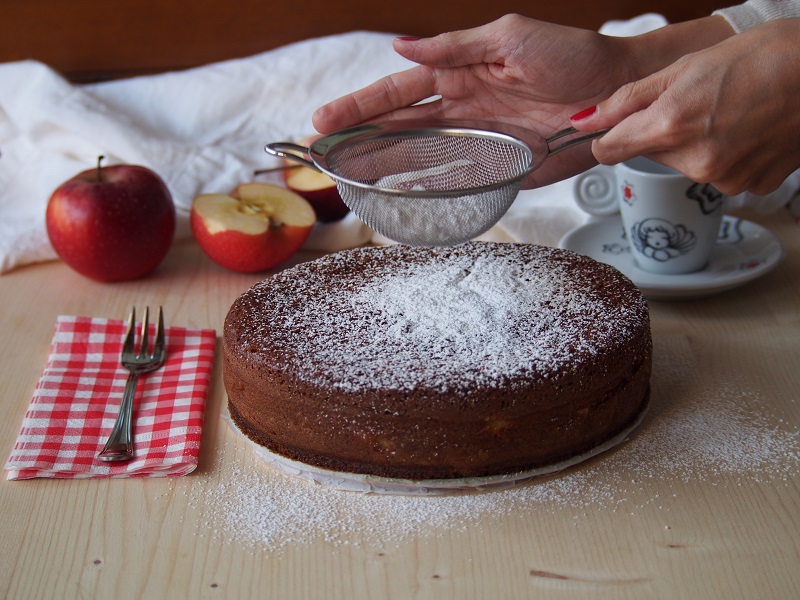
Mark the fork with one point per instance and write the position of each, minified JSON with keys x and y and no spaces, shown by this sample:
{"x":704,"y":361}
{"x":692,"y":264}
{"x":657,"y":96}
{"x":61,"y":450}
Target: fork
{"x":120,"y":443}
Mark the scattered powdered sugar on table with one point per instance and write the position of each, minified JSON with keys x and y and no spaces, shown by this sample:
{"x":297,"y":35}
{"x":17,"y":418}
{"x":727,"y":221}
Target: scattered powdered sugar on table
{"x":722,"y":437}
{"x":732,"y":438}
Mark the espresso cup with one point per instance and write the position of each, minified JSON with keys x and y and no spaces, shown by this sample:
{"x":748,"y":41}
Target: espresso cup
{"x":670,"y":221}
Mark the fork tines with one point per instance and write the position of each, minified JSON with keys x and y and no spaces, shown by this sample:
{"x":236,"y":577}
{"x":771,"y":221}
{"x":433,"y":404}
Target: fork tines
{"x":129,"y":345}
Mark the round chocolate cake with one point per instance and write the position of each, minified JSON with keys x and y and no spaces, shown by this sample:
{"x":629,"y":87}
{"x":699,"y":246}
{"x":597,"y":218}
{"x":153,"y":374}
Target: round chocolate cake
{"x":438,"y":363}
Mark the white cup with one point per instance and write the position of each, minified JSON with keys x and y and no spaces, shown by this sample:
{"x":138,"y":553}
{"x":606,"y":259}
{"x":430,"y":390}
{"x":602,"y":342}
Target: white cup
{"x":671,"y":222}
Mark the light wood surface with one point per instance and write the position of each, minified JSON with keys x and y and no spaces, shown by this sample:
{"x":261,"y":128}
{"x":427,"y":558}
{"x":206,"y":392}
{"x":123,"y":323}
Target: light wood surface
{"x":702,"y":502}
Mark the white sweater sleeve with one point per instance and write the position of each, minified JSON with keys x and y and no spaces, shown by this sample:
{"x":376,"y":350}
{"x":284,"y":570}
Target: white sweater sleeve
{"x":740,"y":18}
{"x":755,"y":12}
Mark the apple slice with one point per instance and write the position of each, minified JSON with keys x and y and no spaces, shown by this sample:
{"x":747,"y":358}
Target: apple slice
{"x":254,"y":228}
{"x":319,"y":189}
{"x":316,"y":187}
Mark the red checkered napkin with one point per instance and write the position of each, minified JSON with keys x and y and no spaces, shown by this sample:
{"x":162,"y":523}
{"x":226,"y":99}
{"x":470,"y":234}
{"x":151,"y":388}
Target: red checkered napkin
{"x":78,"y":395}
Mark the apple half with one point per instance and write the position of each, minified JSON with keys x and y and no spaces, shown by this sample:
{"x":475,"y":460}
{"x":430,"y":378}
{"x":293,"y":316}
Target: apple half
{"x":319,"y":189}
{"x":254,"y":228}
{"x":316,"y":187}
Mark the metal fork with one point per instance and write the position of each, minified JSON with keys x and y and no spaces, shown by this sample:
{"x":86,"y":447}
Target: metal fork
{"x":120,"y":443}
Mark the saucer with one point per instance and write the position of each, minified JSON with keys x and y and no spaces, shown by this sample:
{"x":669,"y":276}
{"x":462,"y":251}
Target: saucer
{"x":744,"y":251}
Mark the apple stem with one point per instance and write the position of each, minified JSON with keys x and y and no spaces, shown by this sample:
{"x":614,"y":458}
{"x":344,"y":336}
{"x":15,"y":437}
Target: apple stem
{"x":99,"y":160}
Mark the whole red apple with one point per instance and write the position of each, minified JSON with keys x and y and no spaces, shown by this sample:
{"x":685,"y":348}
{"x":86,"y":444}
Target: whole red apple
{"x":112,"y":223}
{"x":254,"y":228}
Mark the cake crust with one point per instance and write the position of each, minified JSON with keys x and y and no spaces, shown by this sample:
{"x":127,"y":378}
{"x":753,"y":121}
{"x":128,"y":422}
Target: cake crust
{"x":418,"y":363}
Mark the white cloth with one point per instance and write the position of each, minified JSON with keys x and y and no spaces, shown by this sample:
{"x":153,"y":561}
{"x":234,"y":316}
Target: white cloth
{"x":203,"y":130}
{"x":754,"y":12}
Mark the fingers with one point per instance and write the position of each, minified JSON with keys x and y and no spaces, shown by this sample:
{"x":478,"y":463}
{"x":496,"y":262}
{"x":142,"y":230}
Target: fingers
{"x":487,"y":44}
{"x":456,"y":48}
{"x":388,"y":94}
{"x":631,"y":114}
{"x":647,"y":119}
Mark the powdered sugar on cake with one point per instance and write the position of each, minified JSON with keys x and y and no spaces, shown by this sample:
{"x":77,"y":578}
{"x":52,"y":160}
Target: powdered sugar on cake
{"x":454,"y":318}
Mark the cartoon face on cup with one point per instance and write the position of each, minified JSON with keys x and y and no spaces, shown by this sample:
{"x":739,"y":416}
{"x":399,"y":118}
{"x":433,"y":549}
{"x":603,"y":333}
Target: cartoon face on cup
{"x":671,"y":222}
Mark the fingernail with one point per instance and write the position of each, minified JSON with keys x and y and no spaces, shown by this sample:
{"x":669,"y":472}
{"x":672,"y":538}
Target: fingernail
{"x":584,"y":114}
{"x":407,"y":39}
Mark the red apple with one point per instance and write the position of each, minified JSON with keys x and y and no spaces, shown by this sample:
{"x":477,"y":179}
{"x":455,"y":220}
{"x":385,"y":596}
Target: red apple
{"x":254,"y":228}
{"x":112,"y":223}
{"x":316,"y":187}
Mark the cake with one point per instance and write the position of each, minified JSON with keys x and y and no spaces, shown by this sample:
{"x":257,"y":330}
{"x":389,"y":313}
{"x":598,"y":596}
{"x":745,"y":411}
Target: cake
{"x":470,"y":361}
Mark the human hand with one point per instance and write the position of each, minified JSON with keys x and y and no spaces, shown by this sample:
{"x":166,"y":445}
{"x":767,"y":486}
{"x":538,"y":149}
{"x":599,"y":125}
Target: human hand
{"x":728,"y":115}
{"x":514,"y":70}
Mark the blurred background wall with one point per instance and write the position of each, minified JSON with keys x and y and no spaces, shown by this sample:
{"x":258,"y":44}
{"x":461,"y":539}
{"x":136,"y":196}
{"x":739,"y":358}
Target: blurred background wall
{"x":90,"y":40}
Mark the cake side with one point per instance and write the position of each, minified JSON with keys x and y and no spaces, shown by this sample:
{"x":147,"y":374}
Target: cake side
{"x":425,"y":447}
{"x":570,"y":368}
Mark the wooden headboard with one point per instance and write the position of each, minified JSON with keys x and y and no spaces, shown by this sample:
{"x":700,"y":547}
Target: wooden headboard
{"x":89,"y":40}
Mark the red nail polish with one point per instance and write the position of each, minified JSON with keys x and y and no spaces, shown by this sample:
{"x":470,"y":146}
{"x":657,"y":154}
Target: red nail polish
{"x":408,"y":38}
{"x":584,"y":114}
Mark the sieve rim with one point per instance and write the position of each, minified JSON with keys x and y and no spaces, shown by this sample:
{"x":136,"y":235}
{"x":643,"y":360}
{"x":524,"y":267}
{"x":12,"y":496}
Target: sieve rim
{"x":320,"y":149}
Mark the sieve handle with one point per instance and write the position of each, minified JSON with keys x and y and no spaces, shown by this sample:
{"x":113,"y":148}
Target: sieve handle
{"x":294,"y":152}
{"x":570,"y":143}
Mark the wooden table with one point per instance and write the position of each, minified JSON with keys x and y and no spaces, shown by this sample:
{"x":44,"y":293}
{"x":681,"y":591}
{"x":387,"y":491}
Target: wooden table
{"x":703,"y":501}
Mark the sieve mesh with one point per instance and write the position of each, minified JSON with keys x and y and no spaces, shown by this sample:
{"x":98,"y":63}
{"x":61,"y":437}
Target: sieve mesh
{"x":458,"y":161}
{"x":453,"y":187}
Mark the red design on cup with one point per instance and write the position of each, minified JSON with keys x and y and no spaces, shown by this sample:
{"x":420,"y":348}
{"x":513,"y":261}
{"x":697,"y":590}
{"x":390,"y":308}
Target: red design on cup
{"x":628,"y":193}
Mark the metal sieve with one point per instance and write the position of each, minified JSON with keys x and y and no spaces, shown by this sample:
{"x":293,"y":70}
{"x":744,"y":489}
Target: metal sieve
{"x":428,"y":183}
